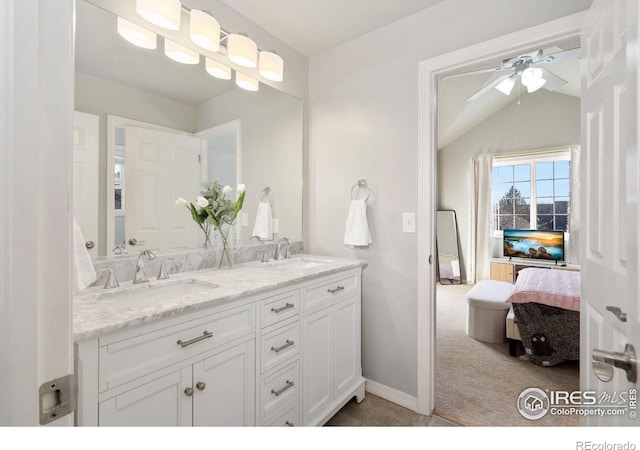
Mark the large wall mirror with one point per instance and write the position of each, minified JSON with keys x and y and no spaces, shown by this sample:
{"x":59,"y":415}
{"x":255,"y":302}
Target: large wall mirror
{"x":131,"y":101}
{"x":448,"y":248}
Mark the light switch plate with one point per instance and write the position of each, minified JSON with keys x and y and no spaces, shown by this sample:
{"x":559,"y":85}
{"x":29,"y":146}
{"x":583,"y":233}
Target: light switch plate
{"x":409,"y":222}
{"x":244,"y":219}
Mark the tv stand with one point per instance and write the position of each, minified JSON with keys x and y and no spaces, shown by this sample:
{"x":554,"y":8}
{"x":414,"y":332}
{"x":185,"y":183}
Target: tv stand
{"x":506,"y":269}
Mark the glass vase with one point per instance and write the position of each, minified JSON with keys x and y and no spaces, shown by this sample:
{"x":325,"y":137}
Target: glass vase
{"x":225,"y":246}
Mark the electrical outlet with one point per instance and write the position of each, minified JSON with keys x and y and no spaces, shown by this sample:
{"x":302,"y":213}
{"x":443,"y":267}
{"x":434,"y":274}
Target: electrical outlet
{"x":409,"y":222}
{"x":274,"y":225}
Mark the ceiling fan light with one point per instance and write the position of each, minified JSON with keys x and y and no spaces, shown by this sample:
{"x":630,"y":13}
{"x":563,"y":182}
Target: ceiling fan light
{"x":535,"y":85}
{"x":204,"y":30}
{"x":242,"y":50}
{"x":271,"y":65}
{"x":137,"y":35}
{"x":215,"y":69}
{"x":162,"y":13}
{"x":506,"y":85}
{"x":246,"y":82}
{"x":180,"y":53}
{"x":531,"y":75}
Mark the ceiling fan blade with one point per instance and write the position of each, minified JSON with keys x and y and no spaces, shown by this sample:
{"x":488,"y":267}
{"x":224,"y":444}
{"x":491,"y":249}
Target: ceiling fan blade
{"x":554,"y":82}
{"x":559,"y":56}
{"x":473,"y":72}
{"x":487,"y":87}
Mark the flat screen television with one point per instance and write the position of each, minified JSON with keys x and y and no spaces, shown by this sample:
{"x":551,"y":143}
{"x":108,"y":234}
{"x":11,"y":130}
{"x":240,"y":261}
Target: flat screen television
{"x":534,"y":244}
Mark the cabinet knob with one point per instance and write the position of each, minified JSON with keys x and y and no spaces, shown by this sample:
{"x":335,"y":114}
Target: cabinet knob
{"x":200,"y":385}
{"x":188,"y":391}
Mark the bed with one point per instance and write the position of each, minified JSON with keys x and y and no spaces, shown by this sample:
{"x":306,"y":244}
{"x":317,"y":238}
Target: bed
{"x":546,"y":315}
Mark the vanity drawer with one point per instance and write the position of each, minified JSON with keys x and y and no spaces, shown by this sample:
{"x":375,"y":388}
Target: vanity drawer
{"x":288,"y":417}
{"x":279,"y":307}
{"x":279,"y":346}
{"x":328,"y":290}
{"x":279,"y":388}
{"x":123,"y":360}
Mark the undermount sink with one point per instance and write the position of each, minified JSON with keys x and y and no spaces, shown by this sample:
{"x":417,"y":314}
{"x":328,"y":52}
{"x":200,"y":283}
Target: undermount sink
{"x":300,"y":262}
{"x":144,"y":294}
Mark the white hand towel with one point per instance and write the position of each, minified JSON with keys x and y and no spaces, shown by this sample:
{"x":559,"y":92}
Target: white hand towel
{"x":357,"y":232}
{"x":84,"y":273}
{"x":263,"y":226}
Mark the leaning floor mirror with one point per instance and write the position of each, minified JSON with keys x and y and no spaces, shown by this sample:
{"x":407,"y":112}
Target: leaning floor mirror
{"x":448,"y":250}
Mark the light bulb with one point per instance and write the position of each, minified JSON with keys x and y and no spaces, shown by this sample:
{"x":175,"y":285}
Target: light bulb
{"x":215,"y":69}
{"x":242,"y":50}
{"x":180,"y":53}
{"x":137,"y":35}
{"x":204,"y":30}
{"x":270,"y":65}
{"x":162,"y":13}
{"x":506,"y":85}
{"x":246,"y":82}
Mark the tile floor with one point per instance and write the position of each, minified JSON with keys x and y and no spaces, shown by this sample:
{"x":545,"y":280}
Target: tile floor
{"x":374,"y":411}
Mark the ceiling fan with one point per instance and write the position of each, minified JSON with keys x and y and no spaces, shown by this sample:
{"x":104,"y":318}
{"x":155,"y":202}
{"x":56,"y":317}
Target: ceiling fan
{"x":526,"y":68}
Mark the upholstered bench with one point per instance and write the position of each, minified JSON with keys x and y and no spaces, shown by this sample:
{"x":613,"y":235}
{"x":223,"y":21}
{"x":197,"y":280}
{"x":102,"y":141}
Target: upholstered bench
{"x":487,"y":310}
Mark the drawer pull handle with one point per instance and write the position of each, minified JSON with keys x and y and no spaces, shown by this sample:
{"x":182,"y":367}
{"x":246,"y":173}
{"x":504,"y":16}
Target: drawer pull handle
{"x":288,"y":343}
{"x":282,"y":308}
{"x":289,"y":424}
{"x":205,"y":335}
{"x":337,"y":289}
{"x":289,"y":384}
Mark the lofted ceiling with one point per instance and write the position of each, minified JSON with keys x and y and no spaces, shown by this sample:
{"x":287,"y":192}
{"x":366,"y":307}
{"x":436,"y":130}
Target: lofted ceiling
{"x":456,"y":115}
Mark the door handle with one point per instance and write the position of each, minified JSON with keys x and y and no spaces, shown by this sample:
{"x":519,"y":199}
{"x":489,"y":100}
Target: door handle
{"x":622,"y":316}
{"x":626,"y":361}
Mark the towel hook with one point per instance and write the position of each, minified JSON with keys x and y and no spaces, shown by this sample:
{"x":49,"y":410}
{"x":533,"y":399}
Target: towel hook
{"x":360,"y":186}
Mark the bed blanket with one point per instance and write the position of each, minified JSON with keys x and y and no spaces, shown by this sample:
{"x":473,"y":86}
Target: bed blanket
{"x":558,"y":288}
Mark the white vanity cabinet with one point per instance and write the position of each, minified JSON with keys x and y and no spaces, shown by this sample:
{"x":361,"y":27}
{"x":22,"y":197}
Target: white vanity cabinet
{"x":287,"y":357}
{"x":331,"y":334}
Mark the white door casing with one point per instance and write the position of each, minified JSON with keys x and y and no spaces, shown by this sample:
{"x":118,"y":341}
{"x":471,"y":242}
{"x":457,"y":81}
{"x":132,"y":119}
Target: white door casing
{"x":610,"y":172}
{"x":86,"y":129}
{"x":160,"y":167}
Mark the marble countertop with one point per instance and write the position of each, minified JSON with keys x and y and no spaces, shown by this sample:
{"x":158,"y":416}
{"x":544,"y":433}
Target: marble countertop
{"x":94,"y":313}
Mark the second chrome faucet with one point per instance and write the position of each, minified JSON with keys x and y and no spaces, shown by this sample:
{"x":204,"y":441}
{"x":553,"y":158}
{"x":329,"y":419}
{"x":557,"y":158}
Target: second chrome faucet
{"x":140,"y":275}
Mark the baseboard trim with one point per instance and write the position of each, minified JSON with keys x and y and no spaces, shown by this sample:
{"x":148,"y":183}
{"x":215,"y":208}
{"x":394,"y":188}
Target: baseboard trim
{"x":391,"y":394}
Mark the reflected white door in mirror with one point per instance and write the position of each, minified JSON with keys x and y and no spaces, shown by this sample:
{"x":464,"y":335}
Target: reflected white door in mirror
{"x":86,"y":130}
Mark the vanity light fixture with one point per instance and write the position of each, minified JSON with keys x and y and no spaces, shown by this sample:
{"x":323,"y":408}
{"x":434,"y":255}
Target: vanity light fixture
{"x":137,"y":35}
{"x":162,"y":13}
{"x":242,"y":50}
{"x":180,"y":53}
{"x":246,"y":82}
{"x":215,"y":69}
{"x":270,"y":65}
{"x":204,"y":30}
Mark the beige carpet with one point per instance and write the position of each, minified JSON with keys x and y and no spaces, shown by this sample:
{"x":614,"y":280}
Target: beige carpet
{"x":478,"y":384}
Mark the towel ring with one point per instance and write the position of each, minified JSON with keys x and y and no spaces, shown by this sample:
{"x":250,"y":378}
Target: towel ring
{"x":360,"y":188}
{"x":265,"y":193}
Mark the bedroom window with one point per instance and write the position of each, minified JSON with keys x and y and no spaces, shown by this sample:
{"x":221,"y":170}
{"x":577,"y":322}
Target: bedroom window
{"x":532,"y":191}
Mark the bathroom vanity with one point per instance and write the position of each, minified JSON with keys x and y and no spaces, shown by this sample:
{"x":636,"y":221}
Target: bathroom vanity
{"x":263,"y":344}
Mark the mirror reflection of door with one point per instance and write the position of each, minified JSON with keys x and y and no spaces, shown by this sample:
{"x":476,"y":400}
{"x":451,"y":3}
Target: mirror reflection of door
{"x":448,"y":250}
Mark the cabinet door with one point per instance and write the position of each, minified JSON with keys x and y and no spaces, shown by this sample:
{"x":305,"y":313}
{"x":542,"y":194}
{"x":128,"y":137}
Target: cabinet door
{"x":347,"y":344}
{"x":317,"y":362}
{"x":224,"y":388}
{"x":161,"y":402}
{"x":502,"y":272}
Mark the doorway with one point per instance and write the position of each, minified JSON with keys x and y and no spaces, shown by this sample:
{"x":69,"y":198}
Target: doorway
{"x":541,"y":36}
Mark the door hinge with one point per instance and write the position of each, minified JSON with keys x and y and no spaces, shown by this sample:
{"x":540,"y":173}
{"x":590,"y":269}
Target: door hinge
{"x":199,"y":159}
{"x":57,"y":398}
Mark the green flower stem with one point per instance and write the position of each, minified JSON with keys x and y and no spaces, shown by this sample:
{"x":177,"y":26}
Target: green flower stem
{"x":225,"y":248}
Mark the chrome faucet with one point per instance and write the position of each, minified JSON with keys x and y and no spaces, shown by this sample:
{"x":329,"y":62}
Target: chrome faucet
{"x":265,"y":257}
{"x":111,"y":280}
{"x":140,"y":275}
{"x":120,"y":249}
{"x":286,"y":251}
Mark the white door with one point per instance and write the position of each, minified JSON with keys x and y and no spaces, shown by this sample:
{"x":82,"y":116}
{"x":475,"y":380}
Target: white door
{"x":160,"y":167}
{"x":160,"y":402}
{"x":610,"y":172}
{"x":86,"y":129}
{"x":224,"y":388}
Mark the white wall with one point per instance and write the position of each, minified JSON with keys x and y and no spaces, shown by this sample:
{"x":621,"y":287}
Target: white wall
{"x":363,"y":122}
{"x":542,"y":120}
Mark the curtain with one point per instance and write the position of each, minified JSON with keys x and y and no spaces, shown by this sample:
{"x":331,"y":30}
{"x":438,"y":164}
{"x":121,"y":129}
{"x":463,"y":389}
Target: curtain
{"x":480,"y":227}
{"x":573,"y":256}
